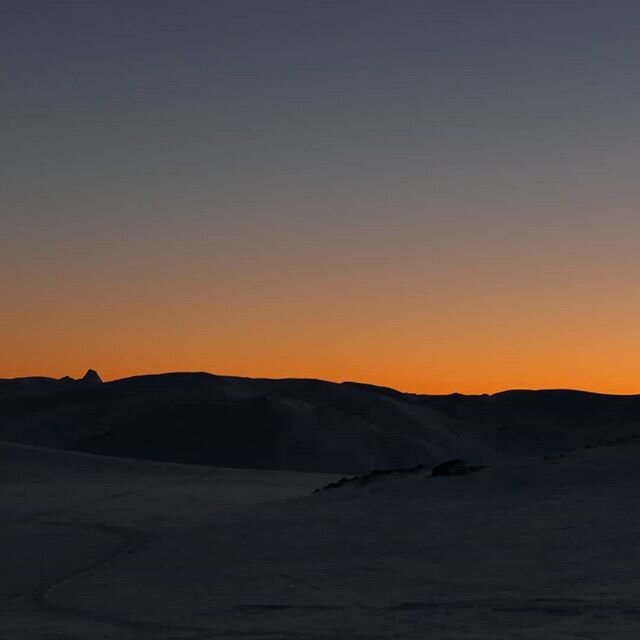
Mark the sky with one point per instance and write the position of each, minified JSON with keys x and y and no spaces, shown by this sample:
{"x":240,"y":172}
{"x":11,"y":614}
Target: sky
{"x":436,"y":196}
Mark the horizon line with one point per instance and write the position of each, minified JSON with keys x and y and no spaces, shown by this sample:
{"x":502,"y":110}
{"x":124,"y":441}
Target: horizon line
{"x":325,"y":381}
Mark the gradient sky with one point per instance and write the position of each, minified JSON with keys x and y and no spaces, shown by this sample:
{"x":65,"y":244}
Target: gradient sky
{"x":432,"y":195}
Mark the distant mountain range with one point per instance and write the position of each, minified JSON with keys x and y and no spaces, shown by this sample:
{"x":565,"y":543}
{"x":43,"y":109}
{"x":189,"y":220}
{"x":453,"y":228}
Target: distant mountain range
{"x":300,"y":424}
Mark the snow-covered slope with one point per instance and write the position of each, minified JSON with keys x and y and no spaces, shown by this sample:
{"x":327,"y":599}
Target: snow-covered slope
{"x":306,"y":425}
{"x":529,"y":548}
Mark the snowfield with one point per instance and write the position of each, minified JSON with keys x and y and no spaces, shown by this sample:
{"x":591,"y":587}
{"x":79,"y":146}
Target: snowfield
{"x":530,"y":547}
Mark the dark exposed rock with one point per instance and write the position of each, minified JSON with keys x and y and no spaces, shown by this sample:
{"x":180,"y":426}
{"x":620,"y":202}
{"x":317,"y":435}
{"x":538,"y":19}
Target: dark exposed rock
{"x":455,"y":467}
{"x":370,"y":477}
{"x":91,"y":377}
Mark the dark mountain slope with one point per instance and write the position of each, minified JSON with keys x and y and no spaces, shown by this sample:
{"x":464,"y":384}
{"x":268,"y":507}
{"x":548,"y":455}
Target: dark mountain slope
{"x":300,"y":424}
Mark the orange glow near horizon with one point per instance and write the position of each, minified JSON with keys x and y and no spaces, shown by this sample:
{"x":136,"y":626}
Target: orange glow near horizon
{"x":475,"y":329}
{"x":501,"y":372}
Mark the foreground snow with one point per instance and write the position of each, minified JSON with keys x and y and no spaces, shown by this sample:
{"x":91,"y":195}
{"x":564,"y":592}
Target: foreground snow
{"x":103,"y":548}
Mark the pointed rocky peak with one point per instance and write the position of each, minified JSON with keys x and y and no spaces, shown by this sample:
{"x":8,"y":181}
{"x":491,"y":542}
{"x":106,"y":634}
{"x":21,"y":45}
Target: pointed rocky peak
{"x":91,"y":377}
